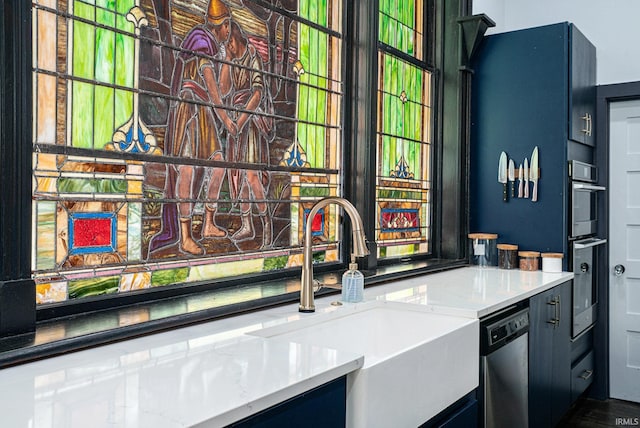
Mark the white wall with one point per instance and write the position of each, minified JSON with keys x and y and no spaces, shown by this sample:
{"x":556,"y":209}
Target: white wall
{"x":612,"y":26}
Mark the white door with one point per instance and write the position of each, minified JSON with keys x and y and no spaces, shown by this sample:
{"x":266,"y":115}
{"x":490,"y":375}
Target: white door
{"x":624,"y":250}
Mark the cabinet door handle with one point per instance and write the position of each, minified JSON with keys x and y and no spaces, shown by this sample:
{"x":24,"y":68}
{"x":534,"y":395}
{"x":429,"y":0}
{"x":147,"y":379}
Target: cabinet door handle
{"x":588,"y":126}
{"x":555,"y":302}
{"x":585,"y":130}
{"x":586,"y":374}
{"x":559,"y":309}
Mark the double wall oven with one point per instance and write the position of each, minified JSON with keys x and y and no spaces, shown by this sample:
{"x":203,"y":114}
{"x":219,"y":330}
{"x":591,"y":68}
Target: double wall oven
{"x":584,"y":243}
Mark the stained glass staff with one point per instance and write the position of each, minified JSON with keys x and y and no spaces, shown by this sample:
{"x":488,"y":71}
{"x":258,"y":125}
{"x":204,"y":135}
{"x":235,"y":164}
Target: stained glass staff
{"x":134,"y":136}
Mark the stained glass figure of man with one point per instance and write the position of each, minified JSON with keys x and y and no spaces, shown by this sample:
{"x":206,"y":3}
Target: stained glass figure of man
{"x":194,"y":132}
{"x":242,"y":82}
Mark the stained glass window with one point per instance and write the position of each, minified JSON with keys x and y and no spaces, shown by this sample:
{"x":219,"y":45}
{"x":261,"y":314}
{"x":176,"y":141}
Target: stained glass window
{"x":178,"y":142}
{"x":404,"y":133}
{"x":401,"y":24}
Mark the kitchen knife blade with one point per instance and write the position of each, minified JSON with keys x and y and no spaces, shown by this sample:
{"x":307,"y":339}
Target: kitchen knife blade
{"x":520,"y":179}
{"x":512,"y":177}
{"x":534,"y":174}
{"x":526,"y":177}
{"x":502,"y":174}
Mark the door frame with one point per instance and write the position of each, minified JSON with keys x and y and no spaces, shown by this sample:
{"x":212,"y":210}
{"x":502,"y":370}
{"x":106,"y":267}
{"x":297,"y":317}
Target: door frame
{"x":605,"y":95}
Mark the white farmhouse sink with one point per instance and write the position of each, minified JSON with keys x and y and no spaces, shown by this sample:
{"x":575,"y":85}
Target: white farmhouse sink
{"x":416,"y":363}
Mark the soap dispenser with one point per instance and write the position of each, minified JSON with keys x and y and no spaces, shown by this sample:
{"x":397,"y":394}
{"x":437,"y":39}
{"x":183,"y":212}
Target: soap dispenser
{"x":352,"y":283}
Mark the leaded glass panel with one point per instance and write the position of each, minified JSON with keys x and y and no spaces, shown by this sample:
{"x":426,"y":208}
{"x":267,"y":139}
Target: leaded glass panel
{"x":403,"y":186}
{"x":401,"y":25}
{"x":181,"y":141}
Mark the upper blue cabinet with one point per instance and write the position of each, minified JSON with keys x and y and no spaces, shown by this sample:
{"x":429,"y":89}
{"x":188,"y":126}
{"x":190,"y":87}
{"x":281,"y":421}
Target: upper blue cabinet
{"x":582,"y":96}
{"x":531,"y":88}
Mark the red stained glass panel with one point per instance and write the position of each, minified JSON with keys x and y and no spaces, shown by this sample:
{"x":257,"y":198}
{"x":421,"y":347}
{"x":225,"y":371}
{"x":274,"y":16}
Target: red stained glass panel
{"x":92,"y":232}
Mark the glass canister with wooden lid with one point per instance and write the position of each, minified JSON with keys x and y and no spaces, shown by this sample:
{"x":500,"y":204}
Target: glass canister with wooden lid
{"x":483,"y":249}
{"x":507,"y":256}
{"x":529,"y":260}
{"x":552,"y":262}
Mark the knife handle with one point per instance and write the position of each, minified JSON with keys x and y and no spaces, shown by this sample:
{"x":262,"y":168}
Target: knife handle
{"x":520,"y":188}
{"x":526,"y":188}
{"x":534,"y":196}
{"x":504,"y":192}
{"x":513,"y":189}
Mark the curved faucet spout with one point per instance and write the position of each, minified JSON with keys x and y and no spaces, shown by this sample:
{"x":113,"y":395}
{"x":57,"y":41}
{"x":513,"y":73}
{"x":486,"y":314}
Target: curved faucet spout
{"x":359,"y":247}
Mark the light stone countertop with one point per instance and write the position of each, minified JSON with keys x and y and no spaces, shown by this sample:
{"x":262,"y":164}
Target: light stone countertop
{"x":214,"y":373}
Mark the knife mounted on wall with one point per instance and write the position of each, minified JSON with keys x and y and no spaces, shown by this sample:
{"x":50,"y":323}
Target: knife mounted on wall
{"x":502,"y":174}
{"x":512,"y":177}
{"x":534,"y":174}
{"x":526,"y":177}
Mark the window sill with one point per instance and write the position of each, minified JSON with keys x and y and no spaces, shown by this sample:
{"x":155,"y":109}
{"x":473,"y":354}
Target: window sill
{"x":91,"y":329}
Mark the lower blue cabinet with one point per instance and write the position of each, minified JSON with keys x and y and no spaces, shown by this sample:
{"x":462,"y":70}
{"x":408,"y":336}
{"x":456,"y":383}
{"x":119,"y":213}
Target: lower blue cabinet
{"x":322,"y":407}
{"x":462,"y":414}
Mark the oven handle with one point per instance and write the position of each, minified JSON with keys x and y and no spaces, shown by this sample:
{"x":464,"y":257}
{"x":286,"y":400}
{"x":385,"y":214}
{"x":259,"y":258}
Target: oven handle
{"x":593,"y":243}
{"x":582,"y":186}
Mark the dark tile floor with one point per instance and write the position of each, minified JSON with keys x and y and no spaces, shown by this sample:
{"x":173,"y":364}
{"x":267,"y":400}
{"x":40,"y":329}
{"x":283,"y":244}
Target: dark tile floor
{"x":590,"y":413}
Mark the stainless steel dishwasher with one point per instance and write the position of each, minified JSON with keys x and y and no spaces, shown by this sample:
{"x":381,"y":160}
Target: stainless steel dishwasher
{"x":504,"y":366}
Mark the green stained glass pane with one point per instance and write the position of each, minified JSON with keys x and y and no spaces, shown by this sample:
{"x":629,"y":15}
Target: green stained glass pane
{"x":123,"y":24}
{"x":83,"y":50}
{"x":276,"y":263}
{"x":105,"y":50}
{"x":84,"y":9}
{"x":392,"y":32}
{"x":312,"y":110}
{"x":124,"y":60}
{"x":323,"y":18}
{"x":320,"y":146}
{"x":386,"y":82}
{"x":323,"y":60}
{"x":409,"y":125}
{"x":82,"y":116}
{"x":416,"y":118}
{"x":396,"y":115}
{"x":393,"y":150}
{"x":408,"y":11}
{"x":46,"y":235}
{"x":315,"y":65}
{"x":91,"y":185}
{"x":105,"y":17}
{"x":397,"y":25}
{"x":123,"y":6}
{"x":103,"y":113}
{"x":384,"y":6}
{"x":134,"y":231}
{"x":93,"y":287}
{"x":383,"y":154}
{"x":107,"y":4}
{"x":314,"y":191}
{"x":123,"y":107}
{"x":169,"y":276}
{"x":399,"y":194}
{"x":305,"y":47}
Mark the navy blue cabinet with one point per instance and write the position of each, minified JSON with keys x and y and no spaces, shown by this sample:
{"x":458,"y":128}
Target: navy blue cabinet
{"x":461,"y":414}
{"x":530,"y":88}
{"x":583,"y":88}
{"x":550,"y":356}
{"x":322,"y":407}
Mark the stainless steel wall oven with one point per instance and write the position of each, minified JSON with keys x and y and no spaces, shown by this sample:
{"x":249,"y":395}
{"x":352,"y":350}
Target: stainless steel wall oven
{"x":584,"y":243}
{"x":583,"y":198}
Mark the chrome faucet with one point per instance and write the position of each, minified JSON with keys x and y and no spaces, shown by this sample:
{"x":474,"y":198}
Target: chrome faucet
{"x":359,"y":247}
